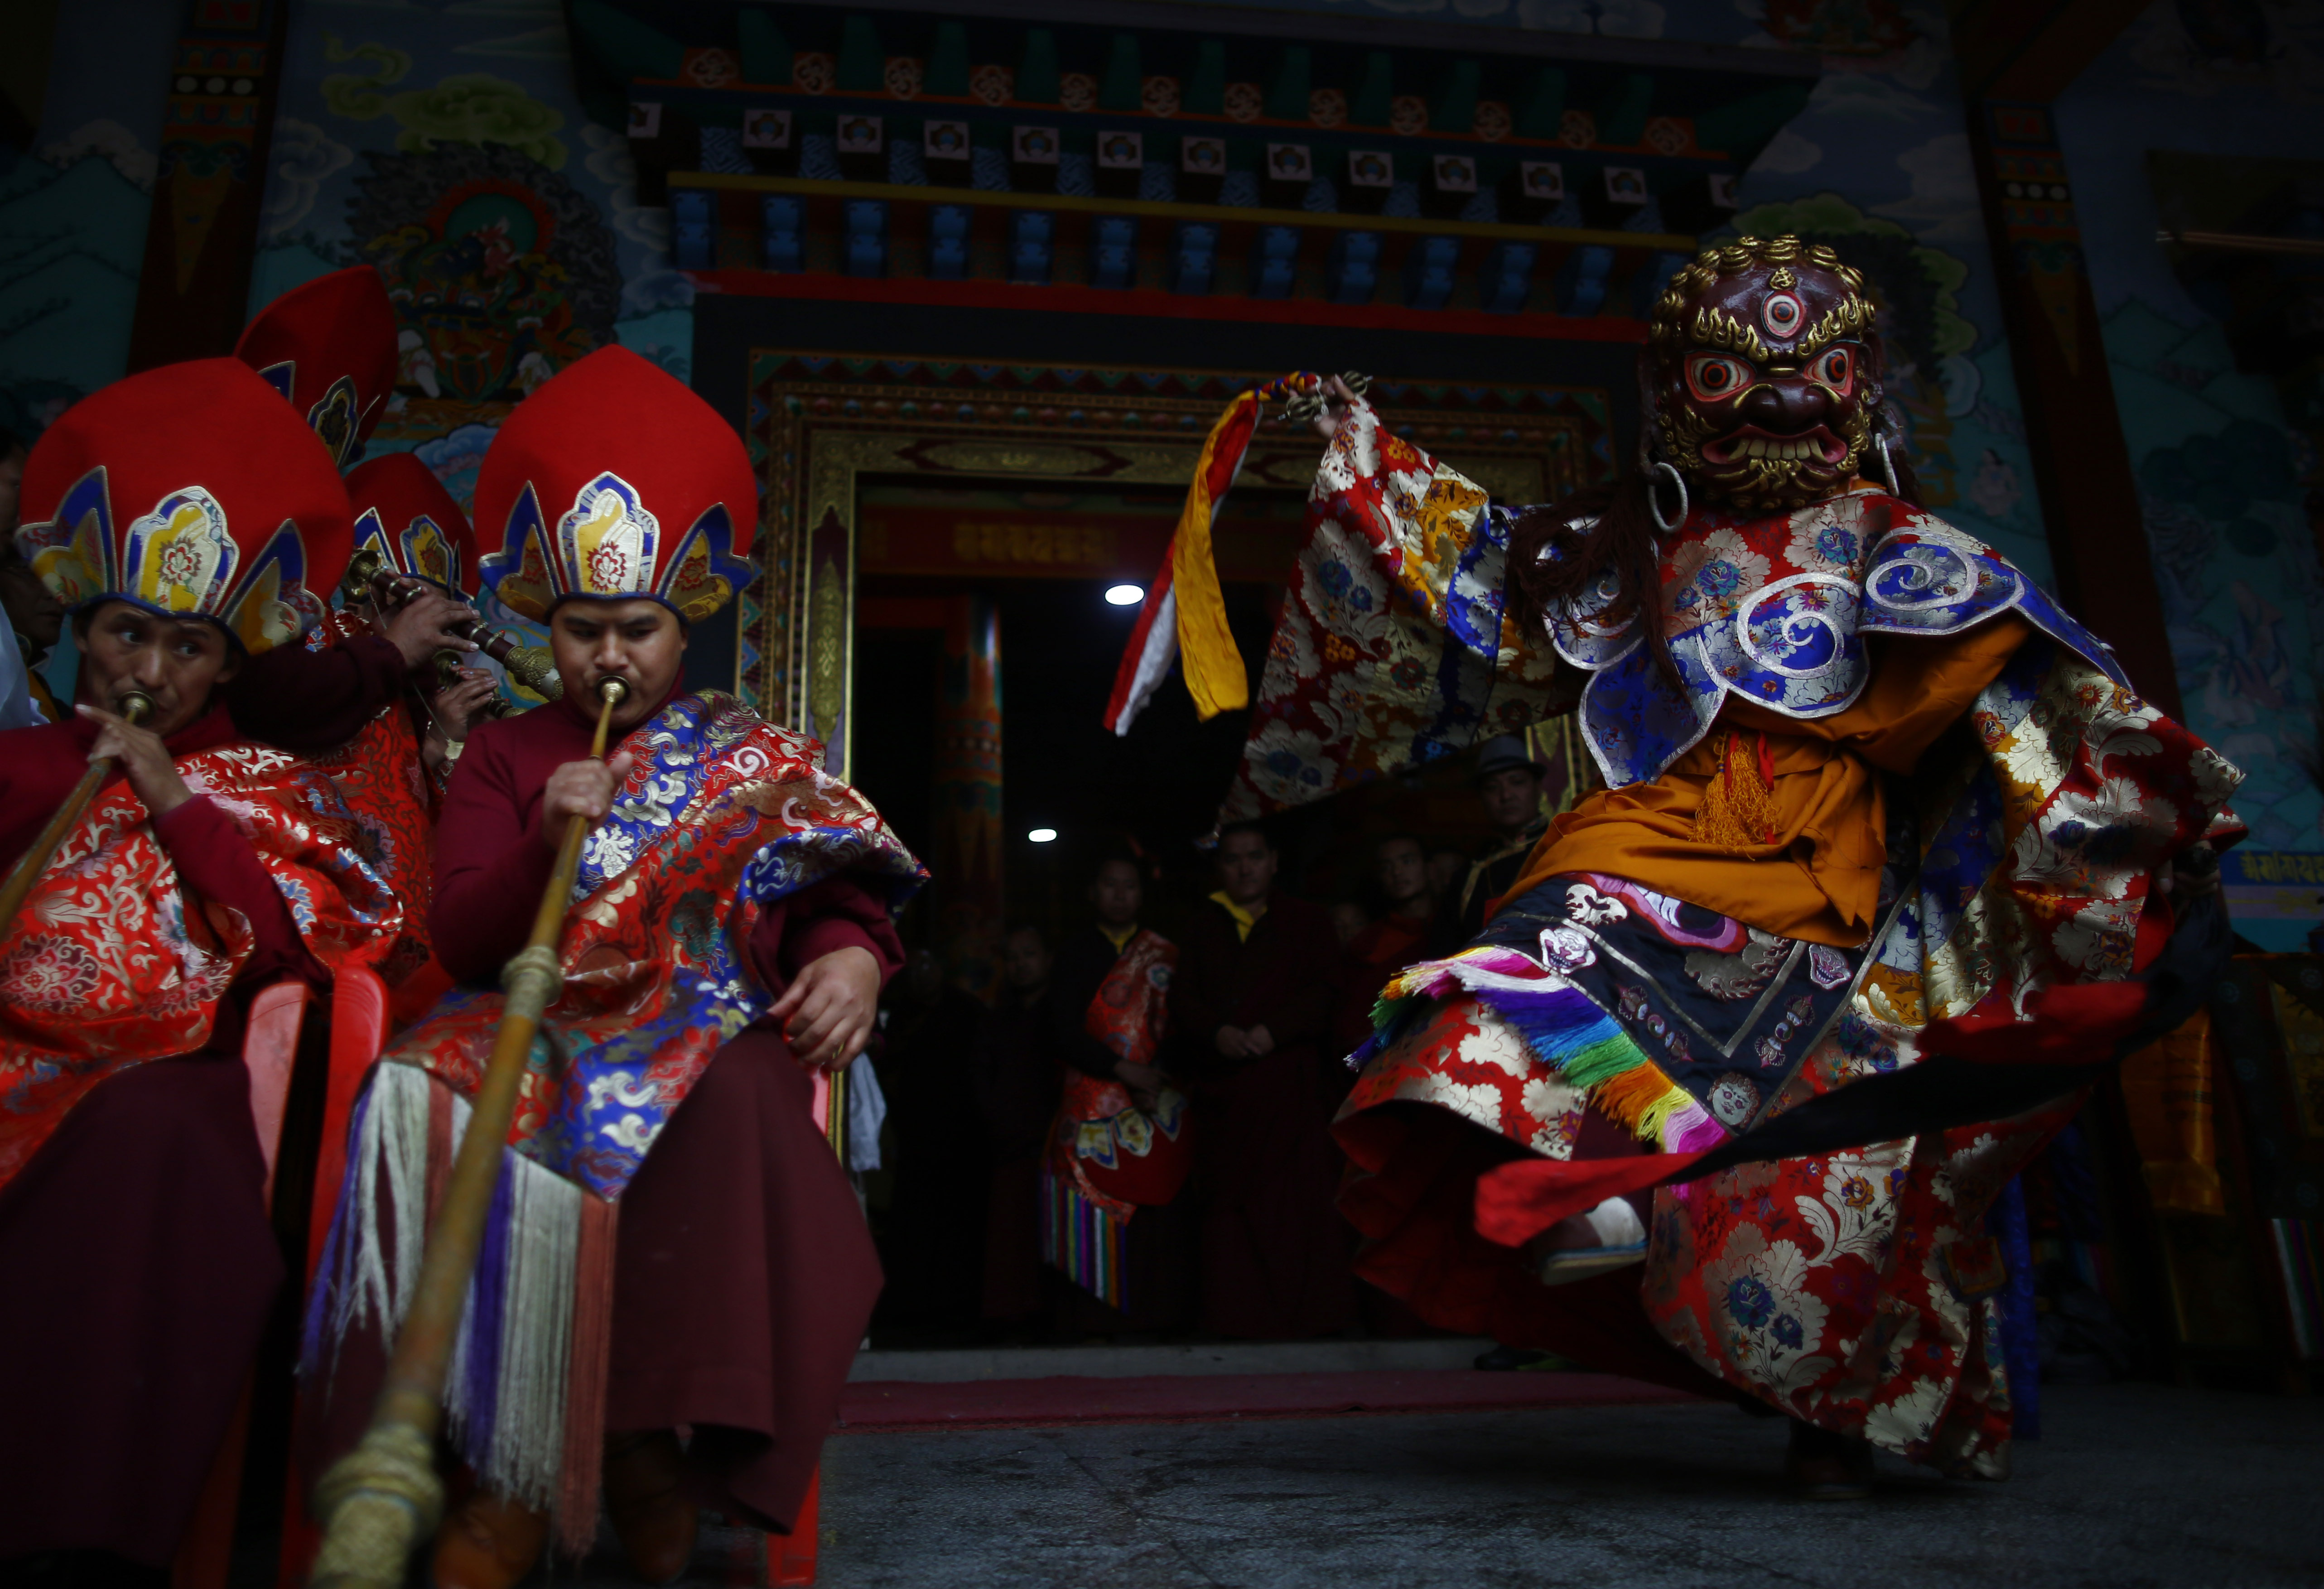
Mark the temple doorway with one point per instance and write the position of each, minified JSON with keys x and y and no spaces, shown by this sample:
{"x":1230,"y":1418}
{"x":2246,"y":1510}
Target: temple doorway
{"x":955,"y":556}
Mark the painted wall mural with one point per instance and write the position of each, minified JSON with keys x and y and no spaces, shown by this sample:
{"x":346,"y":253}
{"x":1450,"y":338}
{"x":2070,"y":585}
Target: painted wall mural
{"x":442,"y":140}
{"x":2227,"y":485}
{"x":443,"y":143}
{"x":73,"y":209}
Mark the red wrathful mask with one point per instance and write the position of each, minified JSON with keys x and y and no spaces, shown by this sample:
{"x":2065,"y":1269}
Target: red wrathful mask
{"x":1764,"y":374}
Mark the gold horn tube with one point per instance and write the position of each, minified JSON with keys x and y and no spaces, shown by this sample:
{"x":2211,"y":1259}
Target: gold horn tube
{"x":383,"y":1499}
{"x":133,"y":705}
{"x":368,"y":575}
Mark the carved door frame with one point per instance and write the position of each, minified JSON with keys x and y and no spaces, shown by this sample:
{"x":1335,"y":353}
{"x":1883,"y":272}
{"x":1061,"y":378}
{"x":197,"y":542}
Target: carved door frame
{"x":821,"y":423}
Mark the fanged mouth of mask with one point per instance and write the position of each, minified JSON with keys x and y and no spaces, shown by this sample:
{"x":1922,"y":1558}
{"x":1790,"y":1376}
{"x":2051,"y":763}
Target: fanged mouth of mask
{"x":1753,"y":444}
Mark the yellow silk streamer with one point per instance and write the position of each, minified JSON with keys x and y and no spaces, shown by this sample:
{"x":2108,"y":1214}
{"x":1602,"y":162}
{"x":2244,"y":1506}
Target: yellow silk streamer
{"x":1206,"y":646}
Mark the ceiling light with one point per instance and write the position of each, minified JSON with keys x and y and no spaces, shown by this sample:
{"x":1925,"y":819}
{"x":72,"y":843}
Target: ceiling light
{"x":1042,"y":836}
{"x":1125,"y":595}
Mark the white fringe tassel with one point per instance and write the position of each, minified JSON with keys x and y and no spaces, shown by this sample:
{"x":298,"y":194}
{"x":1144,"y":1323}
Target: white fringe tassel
{"x":517,"y":1444}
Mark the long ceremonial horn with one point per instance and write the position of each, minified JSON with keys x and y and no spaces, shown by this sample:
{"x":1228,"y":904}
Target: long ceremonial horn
{"x":382,"y":1498}
{"x":135,"y":706}
{"x":368,"y":575}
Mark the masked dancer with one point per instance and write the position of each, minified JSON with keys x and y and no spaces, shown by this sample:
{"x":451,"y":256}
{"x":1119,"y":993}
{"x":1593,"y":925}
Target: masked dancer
{"x":1716,"y":1096}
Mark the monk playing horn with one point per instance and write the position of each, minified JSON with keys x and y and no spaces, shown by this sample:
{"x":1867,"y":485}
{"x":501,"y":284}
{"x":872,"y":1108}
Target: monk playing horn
{"x":178,"y":516}
{"x":673,"y":1246}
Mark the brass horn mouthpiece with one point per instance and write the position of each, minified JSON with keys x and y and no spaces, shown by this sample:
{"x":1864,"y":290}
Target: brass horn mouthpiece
{"x":135,"y":705}
{"x":613,"y":690}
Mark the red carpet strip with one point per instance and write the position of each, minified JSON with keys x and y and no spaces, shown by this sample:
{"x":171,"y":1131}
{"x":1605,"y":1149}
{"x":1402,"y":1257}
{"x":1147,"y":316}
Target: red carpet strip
{"x":1203,"y":1398}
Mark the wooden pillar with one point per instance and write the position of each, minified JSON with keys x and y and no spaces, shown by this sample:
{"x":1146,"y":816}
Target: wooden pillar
{"x":969,"y":897}
{"x":2014,"y":60}
{"x":193,"y":292}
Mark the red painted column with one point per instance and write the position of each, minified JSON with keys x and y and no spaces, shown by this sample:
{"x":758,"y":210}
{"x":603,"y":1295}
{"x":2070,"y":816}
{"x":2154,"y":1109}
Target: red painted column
{"x":967,"y":865}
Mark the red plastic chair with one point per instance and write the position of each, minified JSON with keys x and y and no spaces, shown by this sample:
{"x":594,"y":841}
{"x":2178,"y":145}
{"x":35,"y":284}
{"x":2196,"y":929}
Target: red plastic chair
{"x":359,"y":1024}
{"x":270,"y":1050}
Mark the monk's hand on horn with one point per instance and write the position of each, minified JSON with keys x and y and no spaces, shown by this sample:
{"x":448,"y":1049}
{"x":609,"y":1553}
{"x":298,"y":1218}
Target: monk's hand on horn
{"x":1339,"y":402}
{"x":580,"y":788}
{"x":153,"y":774}
{"x":460,"y":705}
{"x":826,"y":1014}
{"x":425,"y":625}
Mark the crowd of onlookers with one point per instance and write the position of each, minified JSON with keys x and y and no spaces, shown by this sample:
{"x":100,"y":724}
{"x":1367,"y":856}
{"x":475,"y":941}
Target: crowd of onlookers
{"x":1270,"y":994}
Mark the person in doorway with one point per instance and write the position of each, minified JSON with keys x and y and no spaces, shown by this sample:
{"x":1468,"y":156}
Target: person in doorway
{"x":1253,"y":1010}
{"x":1446,"y":868}
{"x":1017,"y":1088}
{"x":135,"y":1246}
{"x":1509,"y":787}
{"x":1117,"y":1221}
{"x":666,"y":1193}
{"x":1390,"y":943}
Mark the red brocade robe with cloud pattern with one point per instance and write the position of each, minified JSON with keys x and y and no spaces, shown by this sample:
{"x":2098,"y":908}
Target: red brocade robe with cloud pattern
{"x":125,"y":1126}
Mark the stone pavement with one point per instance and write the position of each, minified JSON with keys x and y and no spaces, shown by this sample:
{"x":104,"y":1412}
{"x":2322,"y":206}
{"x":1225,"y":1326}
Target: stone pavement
{"x":2133,"y":1485}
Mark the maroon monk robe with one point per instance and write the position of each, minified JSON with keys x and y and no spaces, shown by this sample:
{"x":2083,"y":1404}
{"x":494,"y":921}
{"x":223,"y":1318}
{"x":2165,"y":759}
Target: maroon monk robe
{"x":1380,"y":952}
{"x":743,"y":1275}
{"x":310,"y":701}
{"x":1276,"y":1252}
{"x":135,"y":1248}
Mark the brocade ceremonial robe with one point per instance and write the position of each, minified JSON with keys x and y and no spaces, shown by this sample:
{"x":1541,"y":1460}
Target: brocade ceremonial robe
{"x":737,"y":1277}
{"x":1926,"y":793}
{"x":1160,"y":1286}
{"x":1114,"y":1217}
{"x":345,"y":699}
{"x":1276,"y":1252}
{"x":135,"y":1241}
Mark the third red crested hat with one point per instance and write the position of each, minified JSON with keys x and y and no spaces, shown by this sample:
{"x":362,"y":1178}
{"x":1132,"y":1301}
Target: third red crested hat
{"x":404,"y":515}
{"x":328,"y":345}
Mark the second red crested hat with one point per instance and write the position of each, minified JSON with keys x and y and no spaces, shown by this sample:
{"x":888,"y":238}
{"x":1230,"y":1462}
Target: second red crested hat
{"x":328,"y":345}
{"x":193,"y":491}
{"x":403,"y":513}
{"x":612,"y":480}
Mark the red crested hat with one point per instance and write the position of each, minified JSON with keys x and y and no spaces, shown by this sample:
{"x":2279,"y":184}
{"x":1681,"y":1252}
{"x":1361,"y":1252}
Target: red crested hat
{"x":328,"y":345}
{"x":188,"y":489}
{"x":612,"y":480}
{"x":403,"y":513}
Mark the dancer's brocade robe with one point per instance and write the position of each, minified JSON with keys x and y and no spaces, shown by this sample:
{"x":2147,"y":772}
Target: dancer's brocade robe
{"x":1965,"y":804}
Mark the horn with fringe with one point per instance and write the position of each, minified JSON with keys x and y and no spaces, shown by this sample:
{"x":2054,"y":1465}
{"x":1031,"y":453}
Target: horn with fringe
{"x":380,"y":1501}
